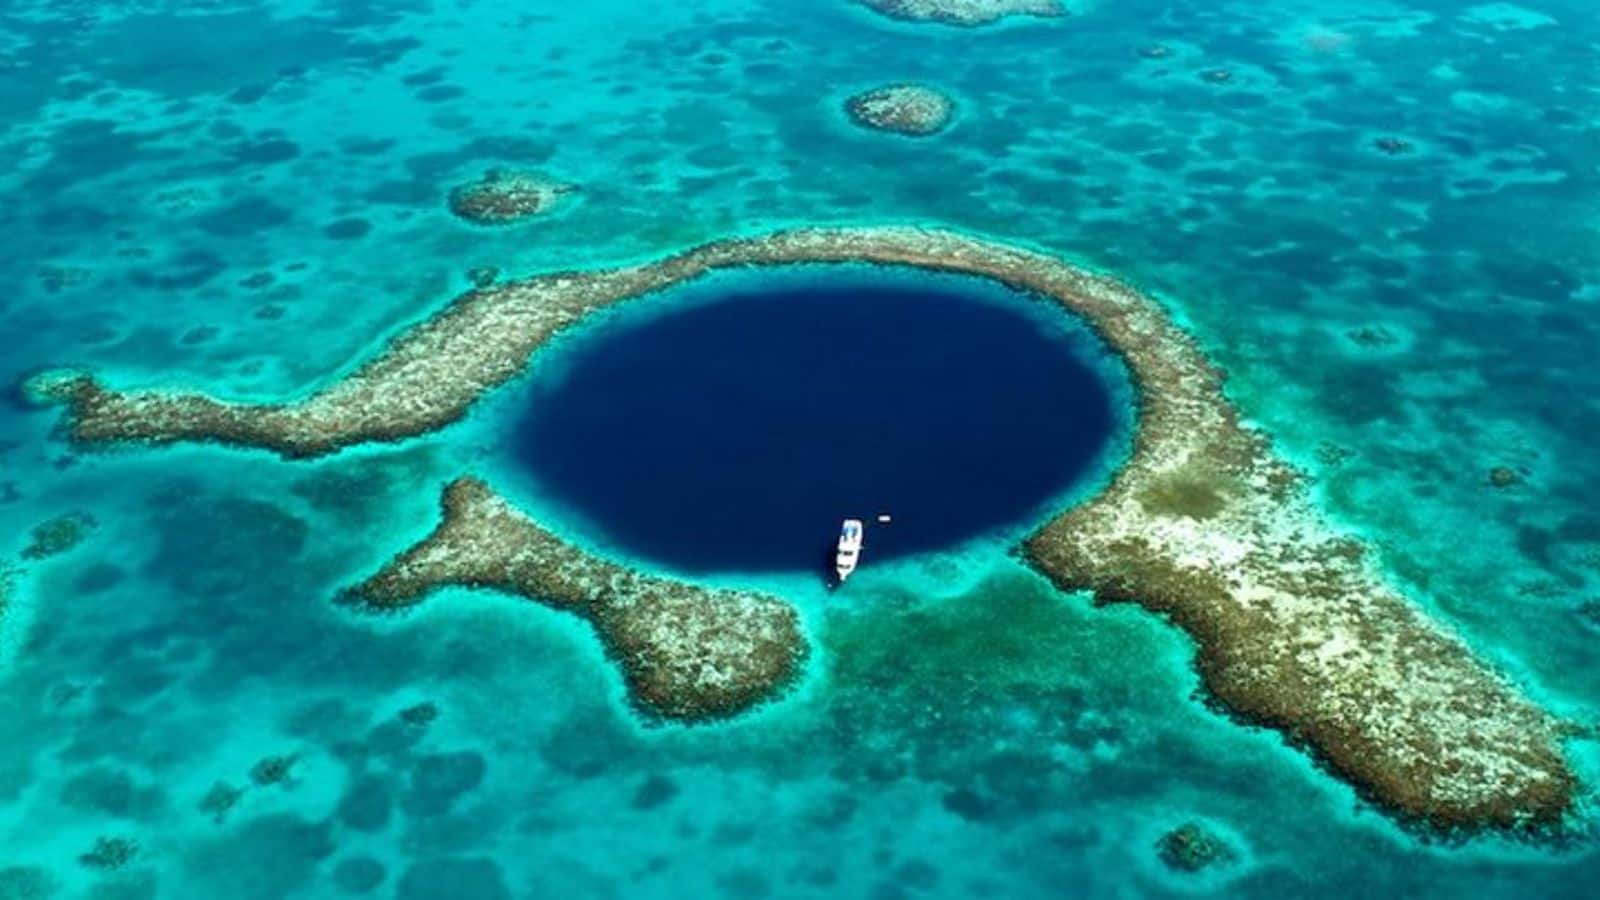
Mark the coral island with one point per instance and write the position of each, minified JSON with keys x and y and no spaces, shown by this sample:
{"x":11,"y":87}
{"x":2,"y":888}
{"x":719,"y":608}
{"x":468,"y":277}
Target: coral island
{"x":964,"y":12}
{"x":1296,"y":626}
{"x":503,"y":196}
{"x":908,"y":109}
{"x":687,"y":652}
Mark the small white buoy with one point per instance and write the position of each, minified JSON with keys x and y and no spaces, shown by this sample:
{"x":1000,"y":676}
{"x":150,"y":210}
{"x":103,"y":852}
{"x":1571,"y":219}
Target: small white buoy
{"x":883,"y":518}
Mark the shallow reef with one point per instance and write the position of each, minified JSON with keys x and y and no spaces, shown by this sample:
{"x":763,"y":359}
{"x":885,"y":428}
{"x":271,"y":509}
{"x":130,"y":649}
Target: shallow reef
{"x":1296,"y":626}
{"x":909,"y":109}
{"x":964,"y":12}
{"x":503,"y":196}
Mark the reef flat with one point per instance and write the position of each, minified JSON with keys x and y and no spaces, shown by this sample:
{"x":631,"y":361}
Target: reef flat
{"x":1295,"y":625}
{"x":687,"y":652}
{"x":964,"y":12}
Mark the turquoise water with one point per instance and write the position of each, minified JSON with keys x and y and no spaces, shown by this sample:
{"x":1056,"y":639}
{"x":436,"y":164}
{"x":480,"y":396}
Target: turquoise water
{"x":248,"y":197}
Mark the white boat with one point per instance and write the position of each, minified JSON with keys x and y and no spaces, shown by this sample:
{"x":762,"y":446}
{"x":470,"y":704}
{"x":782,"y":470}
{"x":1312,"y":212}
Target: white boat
{"x":844,"y":562}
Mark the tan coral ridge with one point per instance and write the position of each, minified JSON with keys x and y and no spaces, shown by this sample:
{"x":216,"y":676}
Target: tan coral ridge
{"x":687,"y":652}
{"x":1295,"y":626}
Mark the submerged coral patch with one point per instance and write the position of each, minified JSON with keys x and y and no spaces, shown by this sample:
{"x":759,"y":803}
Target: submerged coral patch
{"x":1296,"y":627}
{"x":1191,"y":847}
{"x":910,"y":109}
{"x":502,"y":197}
{"x":58,"y":535}
{"x":964,"y":12}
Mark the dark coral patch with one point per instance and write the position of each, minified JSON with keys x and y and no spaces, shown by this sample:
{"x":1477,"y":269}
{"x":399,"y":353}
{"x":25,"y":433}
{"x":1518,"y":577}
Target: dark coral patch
{"x":98,"y":577}
{"x":245,"y":216}
{"x":186,"y":271}
{"x":264,"y":152}
{"x":439,"y":779}
{"x":367,"y":804}
{"x":654,"y":791}
{"x":440,"y":93}
{"x":1192,"y":847}
{"x":347,"y":229}
{"x":359,"y":875}
{"x":432,"y":879}
{"x":58,"y":535}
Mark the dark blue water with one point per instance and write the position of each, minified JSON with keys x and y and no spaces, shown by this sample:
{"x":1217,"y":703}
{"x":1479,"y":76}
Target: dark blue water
{"x":735,"y":434}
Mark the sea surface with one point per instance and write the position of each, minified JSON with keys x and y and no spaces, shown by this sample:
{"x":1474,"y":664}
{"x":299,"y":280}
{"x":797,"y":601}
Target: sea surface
{"x":250,"y":197}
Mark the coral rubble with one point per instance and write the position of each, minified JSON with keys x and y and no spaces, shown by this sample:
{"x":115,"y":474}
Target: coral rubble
{"x":1295,"y":626}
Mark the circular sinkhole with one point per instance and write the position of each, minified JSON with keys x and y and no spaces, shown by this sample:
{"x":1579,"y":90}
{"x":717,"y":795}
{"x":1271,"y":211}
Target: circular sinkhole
{"x":731,"y":424}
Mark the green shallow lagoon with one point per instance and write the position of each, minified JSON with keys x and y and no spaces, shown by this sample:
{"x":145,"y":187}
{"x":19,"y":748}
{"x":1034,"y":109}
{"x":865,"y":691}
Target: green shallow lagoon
{"x":250,"y":197}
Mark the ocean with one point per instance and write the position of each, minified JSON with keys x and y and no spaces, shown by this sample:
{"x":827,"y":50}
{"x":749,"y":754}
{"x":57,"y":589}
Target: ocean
{"x":1379,"y":217}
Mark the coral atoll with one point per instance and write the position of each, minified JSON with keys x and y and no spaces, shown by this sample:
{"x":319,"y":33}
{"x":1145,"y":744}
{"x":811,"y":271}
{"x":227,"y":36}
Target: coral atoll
{"x":1296,"y":626}
{"x":964,"y":12}
{"x":908,"y":109}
